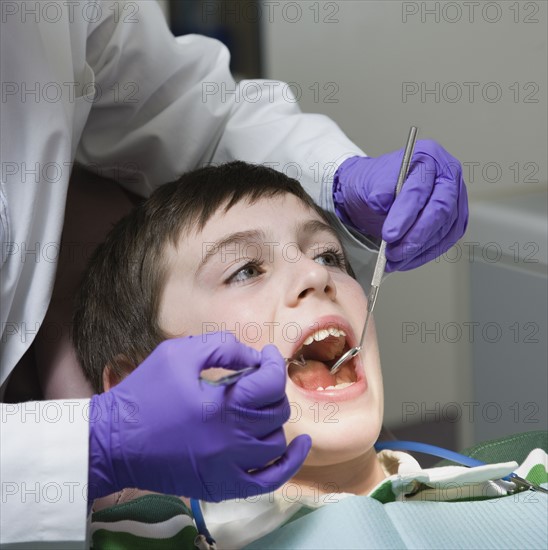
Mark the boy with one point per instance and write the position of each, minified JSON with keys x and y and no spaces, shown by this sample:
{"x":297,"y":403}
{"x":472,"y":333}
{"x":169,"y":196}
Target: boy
{"x":243,"y":248}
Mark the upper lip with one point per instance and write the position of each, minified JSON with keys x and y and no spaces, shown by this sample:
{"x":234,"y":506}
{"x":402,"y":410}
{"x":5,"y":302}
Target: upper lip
{"x":328,"y":321}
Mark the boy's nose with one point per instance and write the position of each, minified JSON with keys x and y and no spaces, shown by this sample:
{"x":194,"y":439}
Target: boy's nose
{"x":309,"y":279}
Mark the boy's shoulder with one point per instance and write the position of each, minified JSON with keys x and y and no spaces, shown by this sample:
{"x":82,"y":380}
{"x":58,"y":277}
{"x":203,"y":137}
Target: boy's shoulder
{"x":154,"y":521}
{"x":510,"y":448}
{"x":524,"y":454}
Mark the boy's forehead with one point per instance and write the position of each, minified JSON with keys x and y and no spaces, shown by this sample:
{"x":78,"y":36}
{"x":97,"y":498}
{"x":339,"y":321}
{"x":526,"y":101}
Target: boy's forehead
{"x":270,"y":214}
{"x":264,"y":219}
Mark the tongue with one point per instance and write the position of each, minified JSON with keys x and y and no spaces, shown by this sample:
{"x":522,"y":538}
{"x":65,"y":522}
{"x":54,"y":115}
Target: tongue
{"x":313,"y":375}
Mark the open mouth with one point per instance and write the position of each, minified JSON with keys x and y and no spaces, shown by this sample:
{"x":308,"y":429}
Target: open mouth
{"x":309,"y":368}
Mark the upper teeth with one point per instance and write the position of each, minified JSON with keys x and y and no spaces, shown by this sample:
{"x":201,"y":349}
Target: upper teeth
{"x":322,"y":334}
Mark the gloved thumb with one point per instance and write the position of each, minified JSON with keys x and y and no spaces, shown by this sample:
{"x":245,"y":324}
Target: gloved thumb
{"x":266,"y":385}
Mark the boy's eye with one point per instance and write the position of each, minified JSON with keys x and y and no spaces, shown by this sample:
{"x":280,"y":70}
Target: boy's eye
{"x":331,"y":258}
{"x":249,"y":271}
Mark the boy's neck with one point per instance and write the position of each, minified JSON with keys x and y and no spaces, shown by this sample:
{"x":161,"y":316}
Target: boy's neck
{"x":358,"y":476}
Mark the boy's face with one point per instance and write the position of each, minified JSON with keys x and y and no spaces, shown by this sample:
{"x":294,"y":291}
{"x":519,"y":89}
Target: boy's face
{"x":277,"y":278}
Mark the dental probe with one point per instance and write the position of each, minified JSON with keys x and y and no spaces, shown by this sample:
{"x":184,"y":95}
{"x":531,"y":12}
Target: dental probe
{"x":381,"y":258}
{"x":229,"y":379}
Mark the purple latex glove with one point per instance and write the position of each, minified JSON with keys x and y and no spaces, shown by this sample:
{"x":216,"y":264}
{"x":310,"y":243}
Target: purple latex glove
{"x":429,"y":215}
{"x":164,"y":430}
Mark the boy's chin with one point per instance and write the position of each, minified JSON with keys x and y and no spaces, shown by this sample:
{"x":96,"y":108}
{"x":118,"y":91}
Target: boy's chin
{"x":343,"y":448}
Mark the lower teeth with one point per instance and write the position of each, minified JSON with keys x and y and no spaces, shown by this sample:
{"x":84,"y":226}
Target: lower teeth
{"x":340,"y":386}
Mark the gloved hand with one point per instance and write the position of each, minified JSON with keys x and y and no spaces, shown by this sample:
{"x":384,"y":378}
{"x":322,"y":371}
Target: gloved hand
{"x":429,"y":215}
{"x":164,"y":430}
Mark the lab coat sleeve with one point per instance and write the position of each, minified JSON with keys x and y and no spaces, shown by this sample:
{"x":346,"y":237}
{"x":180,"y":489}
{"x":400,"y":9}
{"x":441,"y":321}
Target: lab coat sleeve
{"x":164,"y":106}
{"x":44,"y":474}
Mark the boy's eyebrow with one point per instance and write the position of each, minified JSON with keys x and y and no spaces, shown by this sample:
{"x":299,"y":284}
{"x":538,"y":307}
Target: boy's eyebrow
{"x":241,"y":237}
{"x":317,"y":226}
{"x":308,"y":227}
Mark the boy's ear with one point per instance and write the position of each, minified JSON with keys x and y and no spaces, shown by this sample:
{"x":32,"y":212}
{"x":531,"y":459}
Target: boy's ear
{"x":116,"y":370}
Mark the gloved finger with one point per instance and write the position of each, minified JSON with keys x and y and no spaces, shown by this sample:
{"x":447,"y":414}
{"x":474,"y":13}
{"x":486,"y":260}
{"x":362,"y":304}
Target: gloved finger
{"x":257,"y":419}
{"x":423,"y":256}
{"x":257,"y":453}
{"x":448,"y":203}
{"x":443,"y":241}
{"x":276,"y":474}
{"x":420,"y":238}
{"x":266,"y":385}
{"x":441,"y":210}
{"x":196,"y":353}
{"x":222,"y":349}
{"x":413,"y":197}
{"x":381,"y":183}
{"x":441,"y":245}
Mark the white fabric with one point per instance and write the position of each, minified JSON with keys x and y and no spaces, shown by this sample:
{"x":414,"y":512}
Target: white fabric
{"x":106,"y":84}
{"x":161,"y":529}
{"x":43,"y":462}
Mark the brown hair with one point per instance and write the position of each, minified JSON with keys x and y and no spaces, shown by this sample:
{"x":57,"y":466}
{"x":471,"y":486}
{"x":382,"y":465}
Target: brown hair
{"x":115,"y":320}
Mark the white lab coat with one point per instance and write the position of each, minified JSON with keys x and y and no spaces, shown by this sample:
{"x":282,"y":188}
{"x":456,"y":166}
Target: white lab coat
{"x":105,"y":84}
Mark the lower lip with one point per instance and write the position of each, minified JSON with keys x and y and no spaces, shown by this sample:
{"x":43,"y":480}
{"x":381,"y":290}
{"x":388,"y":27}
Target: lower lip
{"x":346,"y":394}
